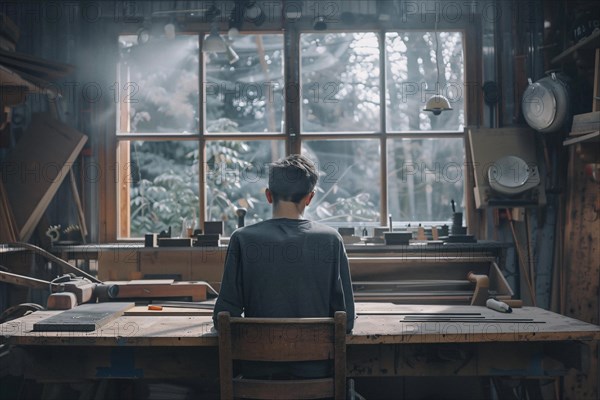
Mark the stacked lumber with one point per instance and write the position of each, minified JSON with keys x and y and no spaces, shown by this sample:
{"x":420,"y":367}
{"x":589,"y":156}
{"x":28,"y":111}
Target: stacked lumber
{"x":31,"y":67}
{"x":29,"y":73}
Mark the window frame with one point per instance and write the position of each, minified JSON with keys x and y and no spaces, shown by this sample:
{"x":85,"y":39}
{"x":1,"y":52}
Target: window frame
{"x":112,"y":212}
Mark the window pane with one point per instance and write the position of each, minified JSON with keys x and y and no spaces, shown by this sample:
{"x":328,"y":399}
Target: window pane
{"x":339,"y":78}
{"x":158,"y":85}
{"x":237,"y":176}
{"x":349,"y":188}
{"x":163,"y":185}
{"x":411,"y":76}
{"x":246,"y":95}
{"x":424,"y":175}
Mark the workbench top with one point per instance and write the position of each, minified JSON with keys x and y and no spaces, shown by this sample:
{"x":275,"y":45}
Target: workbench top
{"x":377,"y":323}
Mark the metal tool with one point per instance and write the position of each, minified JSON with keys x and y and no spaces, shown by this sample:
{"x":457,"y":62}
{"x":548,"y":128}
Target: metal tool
{"x":241,"y":214}
{"x":83,"y":289}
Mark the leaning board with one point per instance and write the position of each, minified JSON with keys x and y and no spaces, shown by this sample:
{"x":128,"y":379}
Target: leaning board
{"x":35,"y":168}
{"x":83,"y":318}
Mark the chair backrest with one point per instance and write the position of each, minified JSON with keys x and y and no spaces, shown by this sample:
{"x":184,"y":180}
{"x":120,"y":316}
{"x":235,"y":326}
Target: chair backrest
{"x":282,"y":339}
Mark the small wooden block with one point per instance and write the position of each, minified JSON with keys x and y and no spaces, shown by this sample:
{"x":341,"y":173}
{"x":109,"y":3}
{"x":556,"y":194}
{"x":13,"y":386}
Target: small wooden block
{"x":175,"y":242}
{"x":62,"y":301}
{"x":213,"y":227}
{"x":145,"y":311}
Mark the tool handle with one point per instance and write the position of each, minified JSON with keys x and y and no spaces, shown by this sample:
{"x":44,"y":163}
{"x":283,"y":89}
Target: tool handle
{"x":498,"y":306}
{"x":241,"y":214}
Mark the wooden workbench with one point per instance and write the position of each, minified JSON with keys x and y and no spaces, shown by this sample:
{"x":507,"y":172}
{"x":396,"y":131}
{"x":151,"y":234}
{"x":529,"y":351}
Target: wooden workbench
{"x":131,"y":260}
{"x":387,"y":340}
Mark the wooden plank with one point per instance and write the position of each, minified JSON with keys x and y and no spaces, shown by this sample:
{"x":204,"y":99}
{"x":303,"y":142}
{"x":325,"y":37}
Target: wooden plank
{"x":207,"y":304}
{"x":167,"y":311}
{"x":22,"y":280}
{"x":146,"y":282}
{"x":84,"y":318}
{"x":29,"y":68}
{"x":473,"y":215}
{"x":167,"y":288}
{"x":50,"y":68}
{"x":592,"y":136}
{"x":589,"y":41}
{"x":37,"y":166}
{"x":79,"y":206}
{"x":585,"y":123}
{"x":368,"y":329}
{"x":124,"y":191}
{"x":37,"y":84}
{"x":9,"y":78}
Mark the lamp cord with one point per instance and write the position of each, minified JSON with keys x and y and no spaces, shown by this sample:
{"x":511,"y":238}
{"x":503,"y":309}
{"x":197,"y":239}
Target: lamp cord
{"x":437,"y":55}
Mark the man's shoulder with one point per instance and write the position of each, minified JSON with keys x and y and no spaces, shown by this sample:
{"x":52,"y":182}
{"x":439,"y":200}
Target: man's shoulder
{"x":318,"y":227}
{"x":306,"y":226}
{"x":248,"y":230}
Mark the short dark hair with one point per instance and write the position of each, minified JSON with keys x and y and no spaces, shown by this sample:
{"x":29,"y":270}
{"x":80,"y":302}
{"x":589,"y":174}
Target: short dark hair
{"x":291,"y":178}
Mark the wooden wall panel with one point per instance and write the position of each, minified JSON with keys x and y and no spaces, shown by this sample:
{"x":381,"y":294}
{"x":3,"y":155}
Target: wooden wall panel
{"x":119,"y":264}
{"x":581,"y":286}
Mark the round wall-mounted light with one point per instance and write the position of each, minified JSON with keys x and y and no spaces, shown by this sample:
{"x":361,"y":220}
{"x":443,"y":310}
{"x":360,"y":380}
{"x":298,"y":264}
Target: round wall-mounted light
{"x":169,"y":30}
{"x":143,"y":35}
{"x":255,"y":14}
{"x":233,"y":33}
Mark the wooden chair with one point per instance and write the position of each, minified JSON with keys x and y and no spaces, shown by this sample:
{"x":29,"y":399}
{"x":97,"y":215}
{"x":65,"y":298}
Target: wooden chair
{"x":282,"y":339}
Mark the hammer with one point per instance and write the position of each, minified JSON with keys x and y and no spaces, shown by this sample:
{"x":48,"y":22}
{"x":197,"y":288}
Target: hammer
{"x":241,"y":213}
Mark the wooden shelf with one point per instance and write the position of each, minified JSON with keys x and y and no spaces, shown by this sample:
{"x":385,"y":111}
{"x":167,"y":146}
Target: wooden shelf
{"x":588,"y":137}
{"x":588,"y":42}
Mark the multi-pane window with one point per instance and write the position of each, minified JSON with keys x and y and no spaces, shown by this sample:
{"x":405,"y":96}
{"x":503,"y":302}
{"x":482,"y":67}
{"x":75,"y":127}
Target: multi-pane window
{"x":339,"y":77}
{"x":248,"y":95}
{"x":201,"y":128}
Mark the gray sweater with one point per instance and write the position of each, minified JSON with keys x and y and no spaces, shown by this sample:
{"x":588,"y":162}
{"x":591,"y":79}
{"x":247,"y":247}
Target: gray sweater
{"x":286,"y":268}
